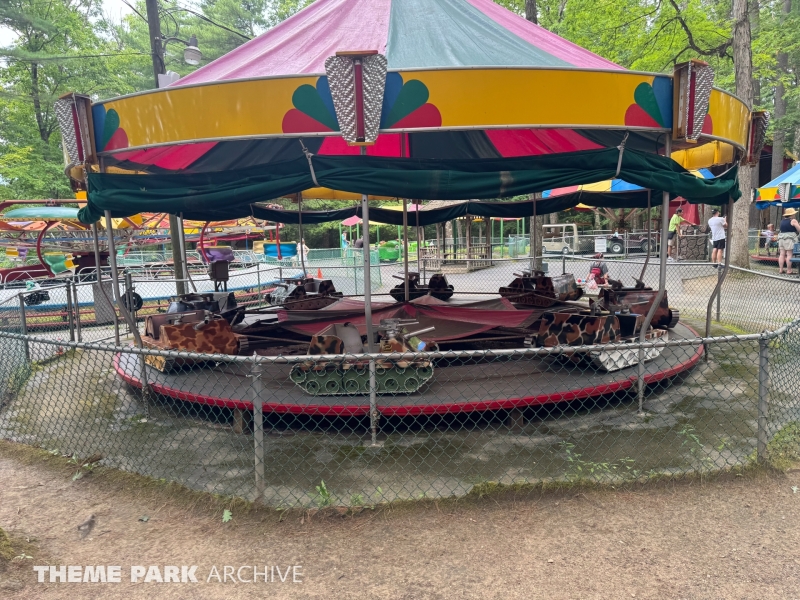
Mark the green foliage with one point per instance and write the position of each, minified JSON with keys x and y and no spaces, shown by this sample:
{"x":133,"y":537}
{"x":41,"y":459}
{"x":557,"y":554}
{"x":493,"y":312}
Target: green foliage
{"x":227,"y":516}
{"x":324,"y":497}
{"x":783,"y":450}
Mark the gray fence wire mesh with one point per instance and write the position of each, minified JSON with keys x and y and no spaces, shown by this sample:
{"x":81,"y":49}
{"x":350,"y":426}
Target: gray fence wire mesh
{"x":482,"y":418}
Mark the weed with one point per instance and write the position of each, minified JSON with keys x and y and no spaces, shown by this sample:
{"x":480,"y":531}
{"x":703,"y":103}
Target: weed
{"x":324,"y":498}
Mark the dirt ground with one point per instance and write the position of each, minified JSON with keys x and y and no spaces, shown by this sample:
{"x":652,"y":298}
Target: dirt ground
{"x":731,"y":538}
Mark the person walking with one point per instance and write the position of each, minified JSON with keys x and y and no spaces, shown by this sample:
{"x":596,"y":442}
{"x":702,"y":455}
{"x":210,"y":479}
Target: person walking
{"x":717,"y":225}
{"x":598,"y":270}
{"x":674,"y":234}
{"x":787,"y":238}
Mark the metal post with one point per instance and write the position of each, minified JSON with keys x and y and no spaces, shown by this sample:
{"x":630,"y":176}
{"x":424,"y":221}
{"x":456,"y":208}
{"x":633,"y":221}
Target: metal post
{"x":662,"y":283}
{"x":563,"y":263}
{"x":719,"y":294}
{"x":129,"y":295}
{"x":420,"y":266}
{"x":720,"y":278}
{"x":367,"y":273}
{"x":70,"y":317}
{"x":112,"y":260}
{"x":532,"y":232}
{"x":763,"y":399}
{"x":502,"y":239}
{"x":184,"y":260}
{"x":405,"y":247}
{"x":96,"y":241}
{"x":300,"y":232}
{"x":112,"y":257}
{"x":374,"y":415}
{"x":258,"y":279}
{"x":77,"y":306}
{"x":24,"y":326}
{"x":258,"y":428}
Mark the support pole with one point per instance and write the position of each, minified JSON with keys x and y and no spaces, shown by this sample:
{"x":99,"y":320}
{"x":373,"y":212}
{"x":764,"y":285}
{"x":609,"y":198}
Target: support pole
{"x":70,"y":321}
{"x":112,"y":257}
{"x":96,"y":241}
{"x":258,"y":428}
{"x":367,"y":273}
{"x":763,"y":399}
{"x":185,"y":261}
{"x":77,"y":306}
{"x":300,"y":232}
{"x":533,"y":239}
{"x":23,"y":325}
{"x":721,"y":278}
{"x":405,"y":248}
{"x":662,"y":283}
{"x":420,"y":266}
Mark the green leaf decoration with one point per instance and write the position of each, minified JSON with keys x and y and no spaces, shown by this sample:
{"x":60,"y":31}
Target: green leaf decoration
{"x":413,"y":95}
{"x":110,"y":126}
{"x":646,"y":98}
{"x":226,"y":515}
{"x":306,"y":99}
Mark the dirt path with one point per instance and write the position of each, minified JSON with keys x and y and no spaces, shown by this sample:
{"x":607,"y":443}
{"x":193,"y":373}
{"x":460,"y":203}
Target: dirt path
{"x":726,"y":539}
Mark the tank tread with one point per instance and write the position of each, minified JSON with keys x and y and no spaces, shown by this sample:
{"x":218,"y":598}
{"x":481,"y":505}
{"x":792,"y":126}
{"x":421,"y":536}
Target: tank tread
{"x":350,"y":379}
{"x":675,"y":316}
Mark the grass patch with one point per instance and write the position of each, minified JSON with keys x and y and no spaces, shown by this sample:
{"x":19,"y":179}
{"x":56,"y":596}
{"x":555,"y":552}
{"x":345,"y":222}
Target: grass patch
{"x":783,"y":451}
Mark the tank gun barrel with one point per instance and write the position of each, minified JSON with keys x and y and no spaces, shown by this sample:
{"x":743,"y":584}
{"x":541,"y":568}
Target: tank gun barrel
{"x":407,"y":336}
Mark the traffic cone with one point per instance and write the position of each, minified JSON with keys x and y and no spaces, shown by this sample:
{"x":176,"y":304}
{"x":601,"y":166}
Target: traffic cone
{"x":319,"y":273}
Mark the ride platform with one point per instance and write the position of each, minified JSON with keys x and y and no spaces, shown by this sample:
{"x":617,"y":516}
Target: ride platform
{"x":475,"y":386}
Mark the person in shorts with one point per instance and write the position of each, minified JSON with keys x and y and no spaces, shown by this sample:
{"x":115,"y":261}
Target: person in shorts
{"x":787,"y":238}
{"x":717,"y":225}
{"x":674,"y":233}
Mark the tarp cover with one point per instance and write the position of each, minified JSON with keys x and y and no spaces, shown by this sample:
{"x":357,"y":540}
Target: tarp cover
{"x":231,"y":194}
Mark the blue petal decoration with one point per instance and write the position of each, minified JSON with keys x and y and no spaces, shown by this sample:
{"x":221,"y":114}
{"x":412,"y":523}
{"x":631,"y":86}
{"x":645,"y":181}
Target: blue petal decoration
{"x":99,"y":121}
{"x":662,"y":90}
{"x":324,"y":91}
{"x":394,"y":83}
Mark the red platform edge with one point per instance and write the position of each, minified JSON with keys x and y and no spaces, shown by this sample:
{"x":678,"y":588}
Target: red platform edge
{"x":356,"y":410}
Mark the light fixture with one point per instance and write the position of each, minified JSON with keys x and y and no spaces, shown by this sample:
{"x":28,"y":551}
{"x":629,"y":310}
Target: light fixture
{"x":192,"y":54}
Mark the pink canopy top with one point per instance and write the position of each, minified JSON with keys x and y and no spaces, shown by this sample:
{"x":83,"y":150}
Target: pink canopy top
{"x":412,"y":33}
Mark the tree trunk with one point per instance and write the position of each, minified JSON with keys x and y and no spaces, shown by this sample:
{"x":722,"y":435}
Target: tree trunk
{"x":597,"y":223}
{"x":755,"y":27}
{"x":779,"y":137}
{"x":531,"y":11}
{"x":553,"y":218}
{"x":743,"y":68}
{"x":44,"y":134}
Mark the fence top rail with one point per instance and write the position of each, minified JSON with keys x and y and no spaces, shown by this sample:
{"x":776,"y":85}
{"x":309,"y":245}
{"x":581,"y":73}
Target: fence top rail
{"x":450,"y":354}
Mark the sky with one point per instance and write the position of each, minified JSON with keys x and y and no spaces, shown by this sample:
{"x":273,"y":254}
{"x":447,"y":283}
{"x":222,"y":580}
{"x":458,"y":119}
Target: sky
{"x":116,"y":9}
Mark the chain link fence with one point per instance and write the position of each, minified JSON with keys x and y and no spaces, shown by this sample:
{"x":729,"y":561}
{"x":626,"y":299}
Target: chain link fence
{"x":361,"y":429}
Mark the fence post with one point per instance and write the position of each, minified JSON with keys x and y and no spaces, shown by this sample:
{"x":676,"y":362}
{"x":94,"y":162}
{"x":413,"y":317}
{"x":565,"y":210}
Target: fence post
{"x":374,"y":415}
{"x":77,"y":307}
{"x":24,"y":327}
{"x":719,"y":293}
{"x":763,"y":398}
{"x":258,"y":428}
{"x":70,"y":318}
{"x":563,"y":263}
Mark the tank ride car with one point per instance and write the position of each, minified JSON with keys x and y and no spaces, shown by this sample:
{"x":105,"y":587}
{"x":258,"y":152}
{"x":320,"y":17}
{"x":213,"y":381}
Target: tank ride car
{"x":304,"y":293}
{"x":437,"y":287}
{"x":598,"y":326}
{"x":200,"y":322}
{"x":638,"y":299}
{"x":534,"y":288}
{"x":350,"y":375}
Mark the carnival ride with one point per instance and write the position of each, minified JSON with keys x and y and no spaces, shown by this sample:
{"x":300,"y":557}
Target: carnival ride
{"x":368,"y":100}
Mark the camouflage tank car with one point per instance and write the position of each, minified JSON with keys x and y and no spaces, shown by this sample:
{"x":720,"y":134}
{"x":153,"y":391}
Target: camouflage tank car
{"x":638,"y":299}
{"x":596,"y":327}
{"x":350,"y":376}
{"x":541,"y":291}
{"x":437,"y":287}
{"x":304,"y":293}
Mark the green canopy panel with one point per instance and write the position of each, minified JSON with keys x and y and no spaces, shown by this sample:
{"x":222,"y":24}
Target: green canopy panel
{"x":233,"y":194}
